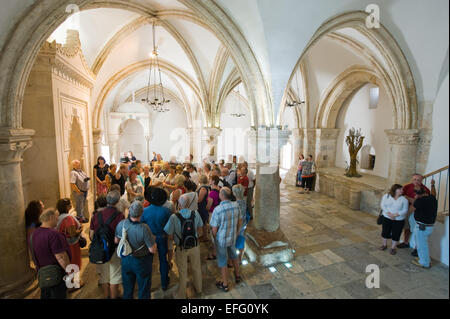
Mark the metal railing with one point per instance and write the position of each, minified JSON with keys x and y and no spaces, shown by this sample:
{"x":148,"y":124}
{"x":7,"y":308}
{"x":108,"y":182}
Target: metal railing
{"x":441,"y":179}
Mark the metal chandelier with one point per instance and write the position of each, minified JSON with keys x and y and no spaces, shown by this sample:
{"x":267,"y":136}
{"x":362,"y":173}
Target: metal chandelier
{"x":159,"y":101}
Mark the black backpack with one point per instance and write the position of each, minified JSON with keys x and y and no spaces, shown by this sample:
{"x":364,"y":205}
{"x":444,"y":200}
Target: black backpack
{"x":102,"y":246}
{"x":188,"y":238}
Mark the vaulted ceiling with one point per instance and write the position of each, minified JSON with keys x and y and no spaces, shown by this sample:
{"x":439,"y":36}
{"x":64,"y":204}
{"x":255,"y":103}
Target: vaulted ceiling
{"x":197,"y":69}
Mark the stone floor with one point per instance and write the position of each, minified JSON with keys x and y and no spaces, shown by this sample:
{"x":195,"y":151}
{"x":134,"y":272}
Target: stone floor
{"x":333,"y":246}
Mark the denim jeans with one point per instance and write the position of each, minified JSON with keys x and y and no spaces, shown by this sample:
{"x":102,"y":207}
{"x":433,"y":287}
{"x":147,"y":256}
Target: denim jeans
{"x":412,"y":229}
{"x":139,"y":269}
{"x":422,"y":244}
{"x":161,"y":243}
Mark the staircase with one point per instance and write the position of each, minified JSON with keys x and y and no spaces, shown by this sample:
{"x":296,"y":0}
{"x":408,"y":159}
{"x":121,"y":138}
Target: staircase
{"x":441,"y":178}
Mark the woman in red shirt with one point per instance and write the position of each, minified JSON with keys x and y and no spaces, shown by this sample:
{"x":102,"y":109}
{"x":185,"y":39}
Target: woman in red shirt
{"x":243,"y":179}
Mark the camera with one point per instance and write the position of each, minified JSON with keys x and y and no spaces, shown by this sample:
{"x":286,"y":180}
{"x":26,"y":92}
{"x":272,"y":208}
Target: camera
{"x":87,"y":179}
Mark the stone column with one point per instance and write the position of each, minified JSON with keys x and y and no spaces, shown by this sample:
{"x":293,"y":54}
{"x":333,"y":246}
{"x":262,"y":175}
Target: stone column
{"x":190,"y":133}
{"x":15,"y":271}
{"x":267,"y":244}
{"x":309,"y":142}
{"x":97,"y":135}
{"x":297,"y":148}
{"x":403,"y":154}
{"x":114,"y":148}
{"x":267,"y":197}
{"x":210,"y":136}
{"x":326,"y":140}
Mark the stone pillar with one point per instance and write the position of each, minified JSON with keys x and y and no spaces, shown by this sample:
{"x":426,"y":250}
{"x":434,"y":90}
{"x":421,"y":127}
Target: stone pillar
{"x":210,"y":136}
{"x":267,"y":244}
{"x":191,"y":136}
{"x":97,"y":135}
{"x":148,"y":139}
{"x":403,"y":154}
{"x":269,"y":142}
{"x":309,"y":142}
{"x":326,"y":140}
{"x":114,"y":148}
{"x":297,"y":149}
{"x":15,"y":271}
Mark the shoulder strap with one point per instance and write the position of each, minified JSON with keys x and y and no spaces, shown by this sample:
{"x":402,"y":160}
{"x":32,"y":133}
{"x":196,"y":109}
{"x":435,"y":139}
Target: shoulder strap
{"x":192,"y":216}
{"x":181,"y":218}
{"x":32,"y":250}
{"x":109,"y":221}
{"x":100,"y":218}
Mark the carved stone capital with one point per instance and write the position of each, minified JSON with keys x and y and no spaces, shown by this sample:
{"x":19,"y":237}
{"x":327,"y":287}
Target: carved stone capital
{"x":328,"y":133}
{"x":403,"y":137}
{"x":298,"y":133}
{"x":13,"y":142}
{"x":97,"y":135}
{"x":211,"y":134}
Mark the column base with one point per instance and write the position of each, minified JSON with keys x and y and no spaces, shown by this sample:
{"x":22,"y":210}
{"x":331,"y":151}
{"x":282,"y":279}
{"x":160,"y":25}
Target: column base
{"x":267,"y":249}
{"x":291,"y":177}
{"x":21,"y":288}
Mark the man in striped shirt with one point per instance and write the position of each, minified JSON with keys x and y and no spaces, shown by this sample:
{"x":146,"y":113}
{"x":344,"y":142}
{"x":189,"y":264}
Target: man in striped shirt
{"x":226,"y":221}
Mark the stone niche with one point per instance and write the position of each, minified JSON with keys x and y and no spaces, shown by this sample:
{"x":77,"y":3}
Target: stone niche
{"x":357,"y":193}
{"x":56,"y":106}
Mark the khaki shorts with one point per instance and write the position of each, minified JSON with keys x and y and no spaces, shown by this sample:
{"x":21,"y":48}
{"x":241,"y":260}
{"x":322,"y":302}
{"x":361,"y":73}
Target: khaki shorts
{"x":111,"y":272}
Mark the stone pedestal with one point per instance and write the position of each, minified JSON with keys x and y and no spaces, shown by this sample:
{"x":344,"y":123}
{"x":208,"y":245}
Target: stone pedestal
{"x":267,"y":248}
{"x":15,"y":271}
{"x":403,"y":154}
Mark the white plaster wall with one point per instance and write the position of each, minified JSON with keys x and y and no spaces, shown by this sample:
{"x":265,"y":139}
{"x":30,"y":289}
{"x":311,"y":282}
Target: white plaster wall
{"x":169,"y":133}
{"x":356,"y":113}
{"x":326,"y":60}
{"x":232,"y":140}
{"x":133,"y":139}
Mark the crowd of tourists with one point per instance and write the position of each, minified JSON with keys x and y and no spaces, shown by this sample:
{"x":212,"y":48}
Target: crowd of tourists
{"x":165,"y":208}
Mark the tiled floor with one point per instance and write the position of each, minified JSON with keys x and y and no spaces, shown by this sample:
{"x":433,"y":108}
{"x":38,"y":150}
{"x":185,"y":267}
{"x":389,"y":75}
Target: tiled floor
{"x":333,"y":246}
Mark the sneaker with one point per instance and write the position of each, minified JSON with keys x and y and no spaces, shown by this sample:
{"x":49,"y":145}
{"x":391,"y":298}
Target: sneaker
{"x":403,"y":245}
{"x":418,"y":264}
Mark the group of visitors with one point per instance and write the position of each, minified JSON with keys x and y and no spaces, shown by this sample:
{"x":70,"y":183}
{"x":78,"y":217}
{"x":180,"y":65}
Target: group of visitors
{"x":411,"y":209}
{"x":163,"y":207}
{"x":306,"y":173}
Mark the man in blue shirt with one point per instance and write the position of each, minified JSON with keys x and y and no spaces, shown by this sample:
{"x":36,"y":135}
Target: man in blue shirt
{"x":156,"y":217}
{"x":173,"y":229}
{"x":226,"y":221}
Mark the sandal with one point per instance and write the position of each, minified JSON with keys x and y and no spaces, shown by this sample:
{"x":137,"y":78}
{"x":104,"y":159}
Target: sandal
{"x":383,"y":248}
{"x":238,"y":279}
{"x":220,"y":285}
{"x":211,"y":258}
{"x":393,"y":251}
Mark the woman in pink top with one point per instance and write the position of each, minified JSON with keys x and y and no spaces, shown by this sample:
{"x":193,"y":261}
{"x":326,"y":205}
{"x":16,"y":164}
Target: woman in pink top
{"x":214,"y":195}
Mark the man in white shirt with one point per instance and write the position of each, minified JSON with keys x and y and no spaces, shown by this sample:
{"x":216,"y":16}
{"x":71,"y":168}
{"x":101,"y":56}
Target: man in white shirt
{"x":193,"y":174}
{"x":157,"y":177}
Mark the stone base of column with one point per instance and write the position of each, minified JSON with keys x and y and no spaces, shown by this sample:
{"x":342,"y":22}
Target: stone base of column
{"x":20,"y":289}
{"x":267,"y":248}
{"x":291,"y":177}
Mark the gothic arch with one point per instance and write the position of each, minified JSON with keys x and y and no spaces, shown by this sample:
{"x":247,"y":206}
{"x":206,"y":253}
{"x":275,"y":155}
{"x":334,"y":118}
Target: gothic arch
{"x":44,"y":17}
{"x":339,"y":90}
{"x":401,"y":85}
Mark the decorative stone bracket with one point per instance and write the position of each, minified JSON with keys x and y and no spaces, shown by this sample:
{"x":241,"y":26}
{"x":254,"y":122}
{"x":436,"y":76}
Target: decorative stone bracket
{"x":13,"y":143}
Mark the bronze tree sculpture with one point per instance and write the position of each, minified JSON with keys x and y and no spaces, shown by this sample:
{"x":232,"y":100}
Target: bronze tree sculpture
{"x":354,"y":142}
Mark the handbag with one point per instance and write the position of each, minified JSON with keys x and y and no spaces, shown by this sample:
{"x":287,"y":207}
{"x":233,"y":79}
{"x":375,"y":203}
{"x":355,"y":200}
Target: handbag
{"x":82,"y":241}
{"x":380,"y":218}
{"x":48,"y":276}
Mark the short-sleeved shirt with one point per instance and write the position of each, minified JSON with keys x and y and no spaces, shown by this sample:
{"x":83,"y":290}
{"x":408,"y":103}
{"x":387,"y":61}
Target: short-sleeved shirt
{"x":101,"y":172}
{"x":138,"y":234}
{"x":408,"y":190}
{"x":106,"y":214}
{"x":426,"y":209}
{"x":46,"y":244}
{"x":214,"y":194}
{"x":156,"y":217}
{"x":173,"y":226}
{"x":307,"y":167}
{"x":251,"y":178}
{"x":136,"y":187}
{"x":78,"y":177}
{"x":225,"y":217}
